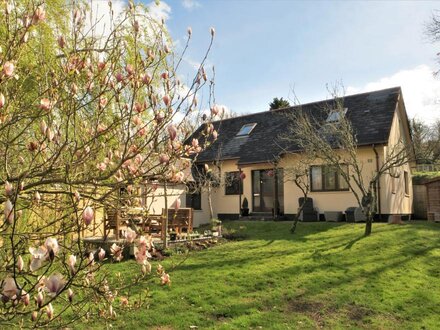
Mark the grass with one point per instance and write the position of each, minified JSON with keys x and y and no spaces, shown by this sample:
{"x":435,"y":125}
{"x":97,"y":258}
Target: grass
{"x":325,"y":275}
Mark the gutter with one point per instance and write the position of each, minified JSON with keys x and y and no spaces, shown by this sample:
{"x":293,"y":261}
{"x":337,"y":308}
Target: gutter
{"x":379,"y":207}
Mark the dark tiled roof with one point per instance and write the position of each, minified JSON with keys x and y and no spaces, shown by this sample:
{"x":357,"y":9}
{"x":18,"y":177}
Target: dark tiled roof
{"x":371,"y":115}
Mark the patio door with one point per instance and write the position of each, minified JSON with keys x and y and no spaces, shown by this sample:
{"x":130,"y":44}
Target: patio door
{"x":263,"y":190}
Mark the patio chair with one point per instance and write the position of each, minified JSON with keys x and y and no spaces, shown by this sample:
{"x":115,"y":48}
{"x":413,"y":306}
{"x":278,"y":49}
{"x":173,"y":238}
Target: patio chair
{"x":309,"y":212}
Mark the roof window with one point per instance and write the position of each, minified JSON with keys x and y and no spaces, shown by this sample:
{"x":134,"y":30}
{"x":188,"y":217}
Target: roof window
{"x":246,"y":129}
{"x":335,"y":115}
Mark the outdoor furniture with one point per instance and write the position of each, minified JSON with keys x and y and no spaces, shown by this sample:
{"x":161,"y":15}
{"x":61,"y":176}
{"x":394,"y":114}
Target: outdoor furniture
{"x":112,"y":221}
{"x":308,"y":213}
{"x":180,"y":220}
{"x":334,"y":216}
{"x":359,"y":215}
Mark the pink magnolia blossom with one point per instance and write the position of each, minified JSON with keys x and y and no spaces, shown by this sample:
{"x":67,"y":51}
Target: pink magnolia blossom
{"x":142,"y":254}
{"x":10,"y":289}
{"x":9,"y":212}
{"x":172,"y":131}
{"x":43,"y":127}
{"x":2,"y":100}
{"x":39,"y":15}
{"x":51,"y":244}
{"x":189,"y":31}
{"x":91,"y":258}
{"x":101,"y":166}
{"x":129,"y":69}
{"x":177,"y":204}
{"x":71,"y":263}
{"x":215,"y":110}
{"x":212,"y":31}
{"x":146,"y":268}
{"x":37,"y":197}
{"x":116,"y":252}
{"x":54,"y":284}
{"x":8,"y":69}
{"x":88,"y":215}
{"x":195,"y":143}
{"x":77,"y":196}
{"x":34,"y":316}
{"x":164,"y":75}
{"x":214,"y":135}
{"x":40,"y":299}
{"x":38,"y":257}
{"x":165,"y":279}
{"x":25,"y":298}
{"x":20,"y":264}
{"x":138,"y":107}
{"x":101,"y":66}
{"x":119,"y":77}
{"x":49,"y":311}
{"x":137,"y":120}
{"x":101,"y":254}
{"x":164,"y":159}
{"x":103,"y":101}
{"x":50,"y":134}
{"x":242,"y":176}
{"x":179,"y":176}
{"x":166,"y":100}
{"x":146,"y":79}
{"x":166,"y":49}
{"x":70,"y":295}
{"x":9,"y":188}
{"x":45,"y":104}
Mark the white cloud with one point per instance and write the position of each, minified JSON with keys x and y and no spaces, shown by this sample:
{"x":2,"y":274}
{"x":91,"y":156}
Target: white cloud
{"x":190,"y":4}
{"x":421,"y":91}
{"x":159,"y":10}
{"x":99,"y":16}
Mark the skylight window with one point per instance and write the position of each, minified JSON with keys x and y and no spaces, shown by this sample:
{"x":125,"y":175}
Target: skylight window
{"x":335,"y":115}
{"x":246,"y":129}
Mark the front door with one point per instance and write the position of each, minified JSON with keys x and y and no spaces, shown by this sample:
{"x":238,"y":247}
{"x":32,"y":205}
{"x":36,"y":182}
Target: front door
{"x":263,"y":190}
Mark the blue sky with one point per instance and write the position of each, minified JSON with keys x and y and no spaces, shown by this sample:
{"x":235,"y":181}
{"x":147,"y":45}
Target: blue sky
{"x":265,"y":49}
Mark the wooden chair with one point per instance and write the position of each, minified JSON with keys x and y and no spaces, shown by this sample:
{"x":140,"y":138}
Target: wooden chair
{"x":112,"y":221}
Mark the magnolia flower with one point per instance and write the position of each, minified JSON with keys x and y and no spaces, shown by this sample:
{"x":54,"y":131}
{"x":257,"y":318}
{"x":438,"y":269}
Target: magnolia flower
{"x":10,"y":289}
{"x":146,"y":79}
{"x":189,"y":31}
{"x":34,"y":316}
{"x":71,"y":263}
{"x":9,"y":189}
{"x":37,"y":197}
{"x":101,"y":66}
{"x":20,"y":263}
{"x":49,"y":311}
{"x":91,"y":258}
{"x":88,"y":215}
{"x":70,"y":294}
{"x":77,"y":196}
{"x":38,"y":257}
{"x":164,"y":75}
{"x":195,"y":143}
{"x":177,"y":204}
{"x":165,"y":279}
{"x":242,"y":176}
{"x":8,"y":69}
{"x":129,"y":69}
{"x":119,"y":77}
{"x":212,"y":30}
{"x":101,"y":254}
{"x":130,"y":235}
{"x":50,"y":134}
{"x":166,"y":100}
{"x":142,"y":254}
{"x":146,"y":267}
{"x":124,"y":301}
{"x":214,"y":135}
{"x":2,"y":100}
{"x":160,"y":270}
{"x":116,"y":252}
{"x":45,"y":104}
{"x":137,"y":120}
{"x":9,"y":212}
{"x":179,"y":176}
{"x":54,"y":284}
{"x":103,"y":101}
{"x":215,"y":110}
{"x":172,"y":131}
{"x":101,"y":166}
{"x":51,"y":245}
{"x":43,"y":127}
{"x":25,"y":298}
{"x":40,"y":299}
{"x":39,"y":15}
{"x":164,"y":159}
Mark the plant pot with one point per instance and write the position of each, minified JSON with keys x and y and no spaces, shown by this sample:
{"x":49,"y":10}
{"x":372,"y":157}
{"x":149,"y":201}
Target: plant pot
{"x":173,"y":236}
{"x":245,"y":212}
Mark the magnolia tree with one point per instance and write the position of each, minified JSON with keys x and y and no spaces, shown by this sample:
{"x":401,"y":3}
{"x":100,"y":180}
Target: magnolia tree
{"x":335,"y":144}
{"x":81,"y":115}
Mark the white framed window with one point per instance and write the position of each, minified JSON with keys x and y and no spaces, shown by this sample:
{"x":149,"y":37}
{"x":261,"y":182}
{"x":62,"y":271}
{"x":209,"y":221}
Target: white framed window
{"x":246,"y":129}
{"x":328,"y":178}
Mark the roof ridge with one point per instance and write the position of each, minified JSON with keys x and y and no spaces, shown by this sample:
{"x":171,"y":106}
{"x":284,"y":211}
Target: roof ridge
{"x":303,"y":104}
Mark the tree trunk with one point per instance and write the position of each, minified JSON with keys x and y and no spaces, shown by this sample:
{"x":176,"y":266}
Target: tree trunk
{"x":211,"y":212}
{"x":368,"y":225}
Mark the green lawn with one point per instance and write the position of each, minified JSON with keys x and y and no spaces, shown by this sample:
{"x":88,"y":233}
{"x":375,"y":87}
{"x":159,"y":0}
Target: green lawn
{"x":326,"y":275}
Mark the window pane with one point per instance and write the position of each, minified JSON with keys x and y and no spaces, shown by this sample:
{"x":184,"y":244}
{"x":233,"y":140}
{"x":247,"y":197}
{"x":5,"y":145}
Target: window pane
{"x":232,"y":183}
{"x":342,"y":183}
{"x":316,"y":178}
{"x":329,"y":178}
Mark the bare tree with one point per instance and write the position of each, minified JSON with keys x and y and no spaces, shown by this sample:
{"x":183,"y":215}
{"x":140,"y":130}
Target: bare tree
{"x":334,"y":142}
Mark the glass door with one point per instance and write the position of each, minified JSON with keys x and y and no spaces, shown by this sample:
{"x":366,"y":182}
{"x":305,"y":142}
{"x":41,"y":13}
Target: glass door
{"x":263,"y":190}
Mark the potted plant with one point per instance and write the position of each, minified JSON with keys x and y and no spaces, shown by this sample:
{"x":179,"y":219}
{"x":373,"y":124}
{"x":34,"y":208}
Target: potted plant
{"x":245,"y":208}
{"x":173,"y":235}
{"x":216,"y":227}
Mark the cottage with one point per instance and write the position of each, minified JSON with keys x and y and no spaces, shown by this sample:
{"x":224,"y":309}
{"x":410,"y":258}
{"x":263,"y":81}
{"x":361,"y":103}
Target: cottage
{"x":248,"y":146}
